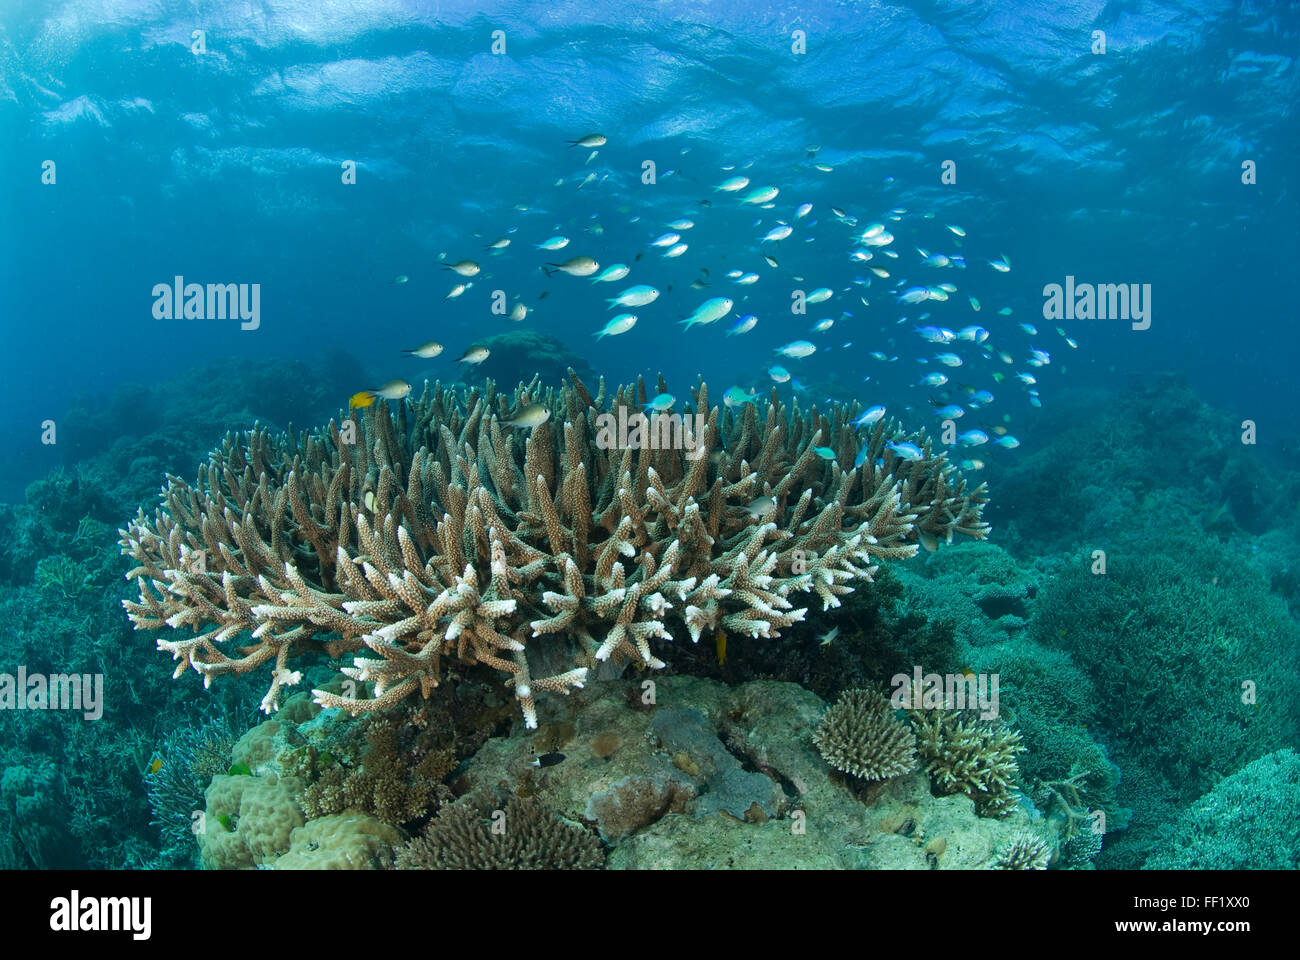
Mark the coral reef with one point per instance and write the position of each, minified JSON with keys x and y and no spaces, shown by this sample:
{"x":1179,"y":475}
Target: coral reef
{"x":248,"y":820}
{"x":1247,"y":822}
{"x":965,"y":754}
{"x":860,"y":735}
{"x":187,"y":761}
{"x":978,"y":587}
{"x":525,"y":836}
{"x":35,"y":801}
{"x":349,"y":840}
{"x":1153,"y":454}
{"x":635,"y":802}
{"x":391,"y":787}
{"x":757,"y":794}
{"x":434,"y":531}
{"x":1190,"y":658}
{"x":1025,"y":851}
{"x":992,"y":598}
{"x":1077,"y":852}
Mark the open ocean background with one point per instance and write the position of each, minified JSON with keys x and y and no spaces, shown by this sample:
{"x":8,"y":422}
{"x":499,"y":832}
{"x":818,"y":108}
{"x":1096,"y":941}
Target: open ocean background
{"x":225,"y":167}
{"x":1122,"y":168}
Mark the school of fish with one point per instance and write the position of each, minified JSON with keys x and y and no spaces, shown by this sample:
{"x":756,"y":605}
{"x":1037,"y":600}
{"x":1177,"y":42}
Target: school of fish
{"x":901,"y":298}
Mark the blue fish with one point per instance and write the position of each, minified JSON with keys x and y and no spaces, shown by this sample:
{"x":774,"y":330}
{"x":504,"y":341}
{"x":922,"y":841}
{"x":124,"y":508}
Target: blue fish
{"x":906,"y":450}
{"x":743,"y":325}
{"x":869,"y":416}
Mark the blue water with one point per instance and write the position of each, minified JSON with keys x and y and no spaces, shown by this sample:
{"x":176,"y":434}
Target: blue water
{"x":226,"y":167}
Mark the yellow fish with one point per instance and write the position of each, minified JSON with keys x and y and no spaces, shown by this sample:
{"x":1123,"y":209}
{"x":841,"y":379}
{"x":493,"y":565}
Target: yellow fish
{"x":156,"y":763}
{"x":392,"y":390}
{"x":720,"y":644}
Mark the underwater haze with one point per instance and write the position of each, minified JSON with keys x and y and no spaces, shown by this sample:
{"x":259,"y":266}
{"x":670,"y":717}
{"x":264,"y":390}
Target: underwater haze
{"x":1028,"y":267}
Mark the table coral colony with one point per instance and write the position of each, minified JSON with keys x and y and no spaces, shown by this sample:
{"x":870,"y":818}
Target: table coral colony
{"x":431,"y":530}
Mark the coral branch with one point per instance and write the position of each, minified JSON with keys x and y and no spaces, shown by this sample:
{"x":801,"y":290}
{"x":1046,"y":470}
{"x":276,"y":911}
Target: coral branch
{"x":437,"y":534}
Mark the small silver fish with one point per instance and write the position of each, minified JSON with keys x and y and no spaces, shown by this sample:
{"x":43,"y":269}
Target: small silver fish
{"x":575,"y":267}
{"x":425,"y":350}
{"x":393,"y":390}
{"x":466,"y":268}
{"x":532,"y":415}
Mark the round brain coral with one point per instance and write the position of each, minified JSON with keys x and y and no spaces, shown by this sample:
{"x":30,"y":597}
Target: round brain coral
{"x":860,"y":735}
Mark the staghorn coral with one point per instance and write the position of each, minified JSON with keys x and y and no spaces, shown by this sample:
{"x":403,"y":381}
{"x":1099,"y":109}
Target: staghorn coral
{"x":860,"y":735}
{"x":965,"y":754}
{"x":527,"y":837}
{"x":432,"y":531}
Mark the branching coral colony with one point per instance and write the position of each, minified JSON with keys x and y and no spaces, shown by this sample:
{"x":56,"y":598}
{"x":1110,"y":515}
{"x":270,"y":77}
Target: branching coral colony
{"x":436,"y":530}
